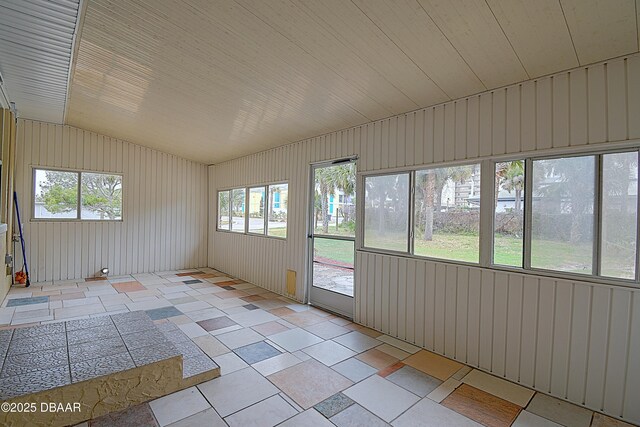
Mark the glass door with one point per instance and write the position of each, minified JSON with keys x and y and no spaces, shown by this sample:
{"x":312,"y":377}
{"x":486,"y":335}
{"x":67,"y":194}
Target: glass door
{"x":332,"y":225}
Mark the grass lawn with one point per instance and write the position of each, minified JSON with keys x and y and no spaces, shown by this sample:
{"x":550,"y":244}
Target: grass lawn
{"x":546,"y":254}
{"x":338,"y":250}
{"x":278,"y":232}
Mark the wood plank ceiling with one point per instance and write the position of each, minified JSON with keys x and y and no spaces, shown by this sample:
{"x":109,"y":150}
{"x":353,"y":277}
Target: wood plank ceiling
{"x":212,"y":80}
{"x":36,"y":42}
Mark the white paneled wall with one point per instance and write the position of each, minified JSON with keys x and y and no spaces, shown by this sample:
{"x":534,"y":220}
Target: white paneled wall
{"x":575,"y":340}
{"x":164,"y":207}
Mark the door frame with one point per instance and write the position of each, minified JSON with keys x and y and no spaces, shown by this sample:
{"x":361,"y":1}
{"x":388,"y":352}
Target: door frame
{"x":345,"y":309}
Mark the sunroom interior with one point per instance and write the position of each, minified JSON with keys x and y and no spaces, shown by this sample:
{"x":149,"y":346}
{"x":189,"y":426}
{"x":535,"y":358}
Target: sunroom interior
{"x":320,"y":213}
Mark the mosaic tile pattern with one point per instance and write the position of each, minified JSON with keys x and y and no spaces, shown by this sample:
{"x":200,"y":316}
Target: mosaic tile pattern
{"x":197,"y":365}
{"x":33,"y":382}
{"x":96,"y":349}
{"x":188,"y":349}
{"x":17,"y":364}
{"x":307,"y":390}
{"x":98,"y":333}
{"x":154,"y":353}
{"x":37,"y":331}
{"x":145,"y":338}
{"x":34,"y":344}
{"x":136,"y":325}
{"x":93,"y":368}
{"x":94,"y":322}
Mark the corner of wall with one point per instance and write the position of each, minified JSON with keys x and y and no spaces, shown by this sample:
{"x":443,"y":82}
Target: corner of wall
{"x":212,"y":208}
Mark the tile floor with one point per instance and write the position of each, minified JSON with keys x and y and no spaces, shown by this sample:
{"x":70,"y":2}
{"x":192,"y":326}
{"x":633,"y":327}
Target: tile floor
{"x":283,"y":363}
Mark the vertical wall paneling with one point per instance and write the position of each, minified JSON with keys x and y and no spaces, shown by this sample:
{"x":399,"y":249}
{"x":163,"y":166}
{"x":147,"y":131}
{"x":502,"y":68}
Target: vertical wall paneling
{"x":565,"y":338}
{"x":154,"y":222}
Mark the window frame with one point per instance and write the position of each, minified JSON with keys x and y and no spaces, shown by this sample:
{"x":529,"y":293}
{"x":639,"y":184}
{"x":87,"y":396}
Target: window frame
{"x":246,"y":231}
{"x":360,"y":240}
{"x":218,"y":210}
{"x":410,"y":253}
{"x":79,"y":173}
{"x":487,"y":213}
{"x":264,"y":213}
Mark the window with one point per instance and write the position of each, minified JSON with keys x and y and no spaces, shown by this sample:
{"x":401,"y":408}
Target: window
{"x":223,"y":210}
{"x":619,"y":215}
{"x":508,"y":208}
{"x":386,"y":212}
{"x":263,"y":209}
{"x":237,"y":210}
{"x":256,"y":210}
{"x":562,"y":220}
{"x":67,"y":195}
{"x":277,"y":218}
{"x":101,"y":196}
{"x":447,"y":213}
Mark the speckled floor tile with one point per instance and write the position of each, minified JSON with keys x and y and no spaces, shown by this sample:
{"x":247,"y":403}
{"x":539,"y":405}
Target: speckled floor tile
{"x":176,"y":336}
{"x":37,"y":331}
{"x":210,"y":345}
{"x":561,"y":412}
{"x":163,"y":312}
{"x":144,"y":339}
{"x":268,"y":413}
{"x":33,"y":382}
{"x":433,"y":364}
{"x":600,"y":420}
{"x":327,"y":330}
{"x":94,"y":322}
{"x":413,"y":380}
{"x":196,"y":365}
{"x":256,"y":352}
{"x":188,"y":349}
{"x":93,"y":368}
{"x":357,"y":416}
{"x":377,"y":358}
{"x":96,"y":349}
{"x":14,"y":302}
{"x":139,"y":325}
{"x":34,"y":344}
{"x":269,"y":328}
{"x":80,"y":336}
{"x":18,"y":364}
{"x":354,"y":369}
{"x":309,"y":383}
{"x":333,"y":405}
{"x":238,"y":390}
{"x":216,"y":323}
{"x":385,"y":399}
{"x":357,"y":342}
{"x":146,"y":355}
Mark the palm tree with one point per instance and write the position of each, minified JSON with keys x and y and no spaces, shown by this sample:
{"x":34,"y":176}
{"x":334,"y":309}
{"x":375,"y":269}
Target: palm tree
{"x":431,"y":183}
{"x":328,"y":180}
{"x":511,"y":178}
